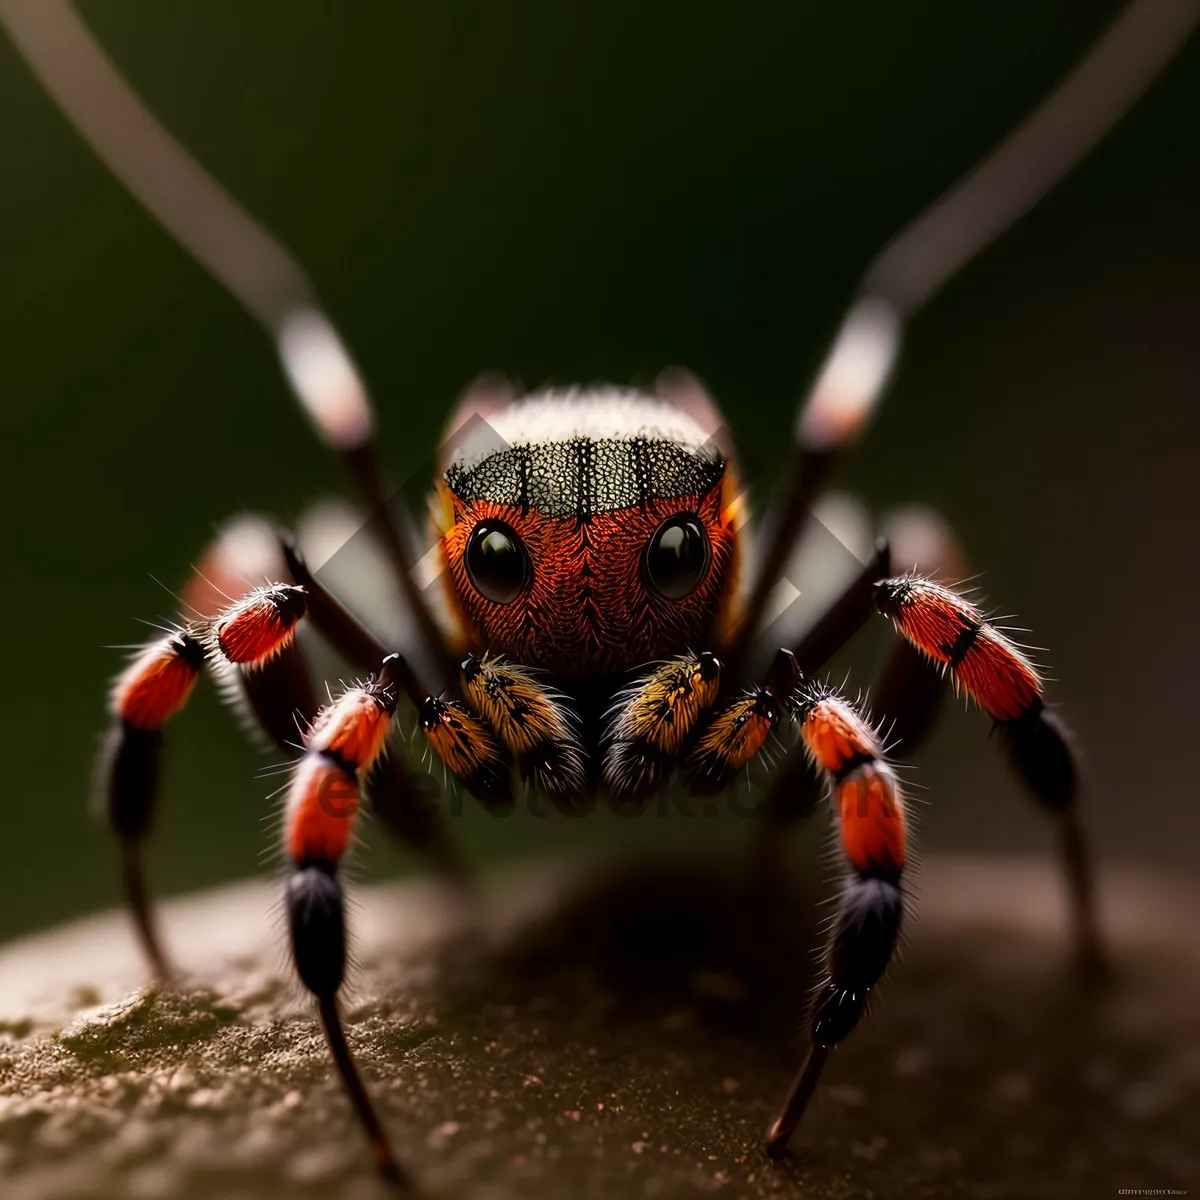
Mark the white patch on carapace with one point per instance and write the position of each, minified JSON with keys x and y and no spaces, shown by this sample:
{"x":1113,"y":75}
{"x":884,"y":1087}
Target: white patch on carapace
{"x":582,"y":451}
{"x":563,"y":414}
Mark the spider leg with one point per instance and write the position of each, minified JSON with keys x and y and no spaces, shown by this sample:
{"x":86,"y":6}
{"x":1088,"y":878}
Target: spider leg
{"x":393,"y":526}
{"x":733,"y":733}
{"x":846,"y":614}
{"x":869,"y":812}
{"x":909,"y":691}
{"x":154,"y":687}
{"x":249,"y":646}
{"x":795,"y":790}
{"x":274,"y":697}
{"x":652,"y":720}
{"x":151,"y":690}
{"x":327,"y":384}
{"x":534,"y":723}
{"x":463,"y":740}
{"x":343,"y":744}
{"x":951,"y":633}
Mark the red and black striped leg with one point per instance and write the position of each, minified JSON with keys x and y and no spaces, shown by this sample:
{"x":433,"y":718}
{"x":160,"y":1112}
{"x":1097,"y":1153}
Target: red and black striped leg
{"x":795,"y":790}
{"x":345,"y":742}
{"x":322,"y":806}
{"x":956,"y":636}
{"x":273,"y":695}
{"x":869,"y":812}
{"x":154,"y":687}
{"x":909,"y":693}
{"x":464,"y":741}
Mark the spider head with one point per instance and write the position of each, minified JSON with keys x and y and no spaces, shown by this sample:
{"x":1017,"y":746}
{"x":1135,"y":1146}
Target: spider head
{"x":587,"y":532}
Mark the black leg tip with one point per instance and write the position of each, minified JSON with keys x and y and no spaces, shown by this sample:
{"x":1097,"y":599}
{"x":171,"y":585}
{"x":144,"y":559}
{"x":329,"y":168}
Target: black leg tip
{"x":1092,"y":966}
{"x":1040,"y":750}
{"x":775,"y":1147}
{"x":390,"y":1173}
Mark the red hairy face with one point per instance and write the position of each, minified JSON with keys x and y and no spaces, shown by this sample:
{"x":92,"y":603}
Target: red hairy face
{"x":588,"y":606}
{"x":591,"y":533}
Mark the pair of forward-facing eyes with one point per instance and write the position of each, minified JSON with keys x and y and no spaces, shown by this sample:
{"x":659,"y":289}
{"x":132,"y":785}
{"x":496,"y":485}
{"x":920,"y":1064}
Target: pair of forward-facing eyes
{"x":676,"y":558}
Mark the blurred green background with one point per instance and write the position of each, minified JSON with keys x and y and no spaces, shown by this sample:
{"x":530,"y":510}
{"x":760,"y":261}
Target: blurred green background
{"x":582,"y":191}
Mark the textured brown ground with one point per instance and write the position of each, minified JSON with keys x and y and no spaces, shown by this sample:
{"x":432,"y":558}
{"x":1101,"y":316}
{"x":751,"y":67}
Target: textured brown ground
{"x":612,"y":1035}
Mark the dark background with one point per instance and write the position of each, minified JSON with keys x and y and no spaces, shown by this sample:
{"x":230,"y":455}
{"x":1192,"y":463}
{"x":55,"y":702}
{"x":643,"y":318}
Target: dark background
{"x":572,"y":191}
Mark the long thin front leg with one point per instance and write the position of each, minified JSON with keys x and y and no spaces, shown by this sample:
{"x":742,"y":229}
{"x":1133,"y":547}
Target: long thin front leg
{"x":908,"y":695}
{"x":916,"y":264}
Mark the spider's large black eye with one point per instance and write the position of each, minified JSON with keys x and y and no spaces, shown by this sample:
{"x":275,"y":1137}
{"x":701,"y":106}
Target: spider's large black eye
{"x":496,"y":561}
{"x":677,"y":556}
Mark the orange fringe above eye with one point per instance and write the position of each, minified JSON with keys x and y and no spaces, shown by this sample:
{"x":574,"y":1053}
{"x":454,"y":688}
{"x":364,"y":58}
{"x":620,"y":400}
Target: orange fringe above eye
{"x":836,"y":735}
{"x":321,"y":807}
{"x":870,"y":814}
{"x":157,"y":684}
{"x":260,"y":624}
{"x":354,"y":727}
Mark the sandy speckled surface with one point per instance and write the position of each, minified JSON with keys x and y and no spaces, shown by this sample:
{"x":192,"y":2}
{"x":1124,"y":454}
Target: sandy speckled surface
{"x":603,"y":1035}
